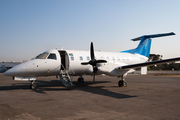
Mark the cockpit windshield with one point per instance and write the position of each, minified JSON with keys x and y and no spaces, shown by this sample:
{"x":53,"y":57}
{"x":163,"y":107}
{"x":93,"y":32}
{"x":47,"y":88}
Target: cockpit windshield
{"x":42,"y":56}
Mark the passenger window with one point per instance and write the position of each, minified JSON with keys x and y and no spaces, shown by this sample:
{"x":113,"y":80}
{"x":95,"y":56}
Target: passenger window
{"x":72,"y":58}
{"x":81,"y":58}
{"x":52,"y":56}
{"x":113,"y":58}
{"x":88,"y":58}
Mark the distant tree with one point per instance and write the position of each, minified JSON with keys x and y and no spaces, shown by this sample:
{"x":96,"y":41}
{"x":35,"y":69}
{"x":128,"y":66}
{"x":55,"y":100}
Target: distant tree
{"x":155,"y":57}
{"x":166,"y":66}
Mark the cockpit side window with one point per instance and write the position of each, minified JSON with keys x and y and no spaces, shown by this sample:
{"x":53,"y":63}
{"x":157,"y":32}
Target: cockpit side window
{"x":52,"y":56}
{"x":42,"y":56}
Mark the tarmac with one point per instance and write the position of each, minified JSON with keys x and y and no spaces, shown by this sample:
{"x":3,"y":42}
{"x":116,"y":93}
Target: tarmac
{"x":146,"y":98}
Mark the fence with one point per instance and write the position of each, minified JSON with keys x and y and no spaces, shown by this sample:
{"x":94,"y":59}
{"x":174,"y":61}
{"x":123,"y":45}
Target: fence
{"x":160,"y":72}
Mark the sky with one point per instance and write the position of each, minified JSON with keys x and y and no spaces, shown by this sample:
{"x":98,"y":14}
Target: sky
{"x":30,"y":27}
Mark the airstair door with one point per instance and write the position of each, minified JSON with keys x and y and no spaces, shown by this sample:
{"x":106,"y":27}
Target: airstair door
{"x":64,"y":76}
{"x":64,"y":60}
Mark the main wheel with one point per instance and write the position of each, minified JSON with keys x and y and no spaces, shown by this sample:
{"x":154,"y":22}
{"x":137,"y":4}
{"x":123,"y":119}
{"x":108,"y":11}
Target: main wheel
{"x":81,"y":80}
{"x":122,"y":83}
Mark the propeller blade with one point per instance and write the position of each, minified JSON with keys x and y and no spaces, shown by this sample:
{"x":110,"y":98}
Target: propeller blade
{"x":92,"y":51}
{"x":84,"y":63}
{"x":101,"y":61}
{"x":93,"y":62}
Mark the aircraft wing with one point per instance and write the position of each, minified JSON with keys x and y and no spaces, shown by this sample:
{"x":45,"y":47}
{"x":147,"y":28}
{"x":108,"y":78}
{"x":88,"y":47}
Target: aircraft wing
{"x":149,"y":63}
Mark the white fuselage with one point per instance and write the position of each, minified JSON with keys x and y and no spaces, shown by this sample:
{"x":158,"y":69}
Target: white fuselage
{"x":72,"y":59}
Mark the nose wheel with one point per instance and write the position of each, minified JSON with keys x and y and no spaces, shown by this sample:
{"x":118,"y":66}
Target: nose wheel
{"x":33,"y":86}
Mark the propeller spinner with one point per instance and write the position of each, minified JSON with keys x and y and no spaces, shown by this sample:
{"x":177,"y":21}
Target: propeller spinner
{"x":93,"y":61}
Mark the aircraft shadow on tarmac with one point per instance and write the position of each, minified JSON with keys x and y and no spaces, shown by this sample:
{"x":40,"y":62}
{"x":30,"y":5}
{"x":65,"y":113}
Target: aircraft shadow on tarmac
{"x":56,"y":85}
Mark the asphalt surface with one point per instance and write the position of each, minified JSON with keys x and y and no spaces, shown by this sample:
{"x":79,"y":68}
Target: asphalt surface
{"x":145,"y":98}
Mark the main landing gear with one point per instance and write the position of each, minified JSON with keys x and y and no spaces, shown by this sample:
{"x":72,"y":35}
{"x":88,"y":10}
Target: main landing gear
{"x":122,"y":83}
{"x":81,"y":79}
{"x":33,"y":86}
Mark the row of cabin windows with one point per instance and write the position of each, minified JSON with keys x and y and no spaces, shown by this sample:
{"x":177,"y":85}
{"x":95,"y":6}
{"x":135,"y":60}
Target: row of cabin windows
{"x":81,"y":58}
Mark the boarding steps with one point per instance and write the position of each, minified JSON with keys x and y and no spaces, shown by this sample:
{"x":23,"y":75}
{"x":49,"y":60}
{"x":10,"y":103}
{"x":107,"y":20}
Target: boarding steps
{"x":65,"y":78}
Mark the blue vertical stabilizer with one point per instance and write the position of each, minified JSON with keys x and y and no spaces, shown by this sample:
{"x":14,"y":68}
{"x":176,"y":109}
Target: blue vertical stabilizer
{"x":145,"y":44}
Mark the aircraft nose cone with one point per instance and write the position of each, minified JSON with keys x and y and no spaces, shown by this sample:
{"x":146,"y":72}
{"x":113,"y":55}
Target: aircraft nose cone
{"x":10,"y":72}
{"x":16,"y":70}
{"x":23,"y":69}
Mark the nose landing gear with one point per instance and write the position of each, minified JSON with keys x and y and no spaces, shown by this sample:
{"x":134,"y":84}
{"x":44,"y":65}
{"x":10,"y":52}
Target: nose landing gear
{"x":33,"y":86}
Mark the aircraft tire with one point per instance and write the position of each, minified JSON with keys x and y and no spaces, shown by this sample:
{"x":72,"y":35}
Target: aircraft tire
{"x":122,"y":83}
{"x":33,"y":86}
{"x":81,"y":80}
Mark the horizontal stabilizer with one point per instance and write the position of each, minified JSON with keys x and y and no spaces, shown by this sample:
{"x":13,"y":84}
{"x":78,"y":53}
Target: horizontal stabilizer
{"x":153,"y":36}
{"x":149,"y":63}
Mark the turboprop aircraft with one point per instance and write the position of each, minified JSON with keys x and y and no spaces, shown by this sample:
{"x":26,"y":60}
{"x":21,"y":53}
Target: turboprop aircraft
{"x":66,"y":63}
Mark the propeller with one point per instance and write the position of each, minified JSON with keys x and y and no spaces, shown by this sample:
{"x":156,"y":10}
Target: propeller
{"x":93,"y":61}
